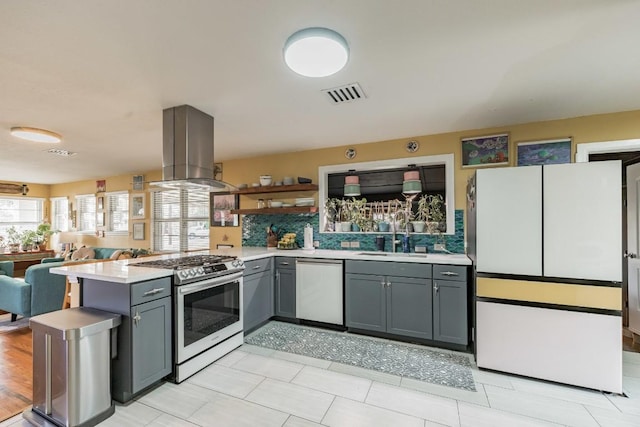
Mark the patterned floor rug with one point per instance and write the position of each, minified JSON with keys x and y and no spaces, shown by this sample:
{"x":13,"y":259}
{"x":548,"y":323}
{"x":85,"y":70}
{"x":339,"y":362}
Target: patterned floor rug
{"x":6,"y":325}
{"x":406,"y":360}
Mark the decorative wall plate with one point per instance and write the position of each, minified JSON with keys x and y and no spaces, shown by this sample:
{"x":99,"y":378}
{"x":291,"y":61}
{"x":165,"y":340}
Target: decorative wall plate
{"x":350,"y":153}
{"x":412,"y":146}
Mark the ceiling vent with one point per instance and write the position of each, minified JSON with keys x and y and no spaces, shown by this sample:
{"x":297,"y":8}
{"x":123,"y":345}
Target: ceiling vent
{"x":59,"y":152}
{"x":347,"y":93}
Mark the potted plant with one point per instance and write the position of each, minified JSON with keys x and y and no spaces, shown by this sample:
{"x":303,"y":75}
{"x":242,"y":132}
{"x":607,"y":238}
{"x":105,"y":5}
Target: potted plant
{"x":331,"y":214}
{"x":359,"y":215}
{"x":27,"y":239}
{"x":43,"y":233}
{"x":422,"y":215}
{"x":345,"y":215}
{"x":435,"y":214}
{"x":13,"y":239}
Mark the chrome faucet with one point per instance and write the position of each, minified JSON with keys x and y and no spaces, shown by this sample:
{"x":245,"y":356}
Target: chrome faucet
{"x":394,"y":240}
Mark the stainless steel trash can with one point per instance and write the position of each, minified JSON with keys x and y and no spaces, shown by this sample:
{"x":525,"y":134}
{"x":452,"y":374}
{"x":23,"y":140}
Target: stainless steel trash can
{"x":72,"y":367}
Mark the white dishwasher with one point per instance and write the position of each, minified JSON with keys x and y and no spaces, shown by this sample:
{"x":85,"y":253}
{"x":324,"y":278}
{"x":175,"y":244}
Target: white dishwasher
{"x":319,"y":290}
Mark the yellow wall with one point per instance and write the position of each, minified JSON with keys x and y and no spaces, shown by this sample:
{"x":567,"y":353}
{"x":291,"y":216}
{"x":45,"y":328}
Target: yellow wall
{"x":597,"y":128}
{"x":113,"y":183}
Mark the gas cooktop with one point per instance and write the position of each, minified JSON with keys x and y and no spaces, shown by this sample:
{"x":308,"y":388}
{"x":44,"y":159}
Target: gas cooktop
{"x":194,"y":268}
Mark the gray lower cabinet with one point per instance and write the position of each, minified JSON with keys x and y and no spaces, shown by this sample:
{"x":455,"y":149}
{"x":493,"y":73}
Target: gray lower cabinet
{"x":285,"y":287}
{"x":144,"y":346}
{"x":450,"y":304}
{"x":409,"y":307}
{"x":258,"y":293}
{"x":396,"y":304}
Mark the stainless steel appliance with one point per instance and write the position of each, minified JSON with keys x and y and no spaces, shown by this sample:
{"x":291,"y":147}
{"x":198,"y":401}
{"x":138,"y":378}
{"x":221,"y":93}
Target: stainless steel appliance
{"x":319,"y":290}
{"x":208,"y":314}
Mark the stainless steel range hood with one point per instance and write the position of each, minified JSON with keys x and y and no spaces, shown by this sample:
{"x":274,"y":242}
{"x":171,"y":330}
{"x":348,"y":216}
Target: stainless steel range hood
{"x":187,"y":151}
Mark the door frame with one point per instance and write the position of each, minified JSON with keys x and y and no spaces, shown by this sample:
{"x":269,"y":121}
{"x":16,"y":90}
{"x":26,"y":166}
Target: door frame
{"x":583,"y":150}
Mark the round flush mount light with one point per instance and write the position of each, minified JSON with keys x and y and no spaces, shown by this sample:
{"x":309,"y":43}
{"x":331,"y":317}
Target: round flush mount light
{"x":316,"y":52}
{"x":36,"y":135}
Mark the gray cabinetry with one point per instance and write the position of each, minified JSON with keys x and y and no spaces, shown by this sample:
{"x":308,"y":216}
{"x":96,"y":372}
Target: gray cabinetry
{"x":144,"y":338}
{"x":285,"y":287}
{"x":366,"y":302}
{"x":450,"y":306}
{"x":257,"y":293}
{"x":389,"y":297}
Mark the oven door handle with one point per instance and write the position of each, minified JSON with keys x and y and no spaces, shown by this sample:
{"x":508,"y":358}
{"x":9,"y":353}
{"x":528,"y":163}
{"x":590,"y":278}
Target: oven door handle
{"x":207,"y":284}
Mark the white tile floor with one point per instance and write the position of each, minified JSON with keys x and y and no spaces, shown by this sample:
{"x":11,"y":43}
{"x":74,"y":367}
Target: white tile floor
{"x":253,"y":386}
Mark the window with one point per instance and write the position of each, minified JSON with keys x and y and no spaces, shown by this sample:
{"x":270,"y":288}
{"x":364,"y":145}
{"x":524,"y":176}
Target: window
{"x":20,"y":212}
{"x":180,"y":220}
{"x":118,"y":212}
{"x":60,"y":214}
{"x":86,"y":215}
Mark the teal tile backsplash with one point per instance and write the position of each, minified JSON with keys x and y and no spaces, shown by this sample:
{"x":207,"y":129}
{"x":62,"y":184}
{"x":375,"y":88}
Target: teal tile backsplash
{"x":254,"y":233}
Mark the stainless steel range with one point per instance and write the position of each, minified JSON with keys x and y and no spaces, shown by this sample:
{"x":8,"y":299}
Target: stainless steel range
{"x":208,"y":314}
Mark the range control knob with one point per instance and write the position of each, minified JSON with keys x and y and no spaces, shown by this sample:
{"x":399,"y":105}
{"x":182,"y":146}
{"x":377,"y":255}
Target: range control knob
{"x":238,"y":263}
{"x":200,"y":271}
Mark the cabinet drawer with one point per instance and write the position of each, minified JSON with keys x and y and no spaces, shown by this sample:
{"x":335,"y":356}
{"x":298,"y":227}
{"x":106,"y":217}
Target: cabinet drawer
{"x":150,"y":290}
{"x":382,"y":268}
{"x":285,"y":262}
{"x":450,"y":272}
{"x":257,"y":266}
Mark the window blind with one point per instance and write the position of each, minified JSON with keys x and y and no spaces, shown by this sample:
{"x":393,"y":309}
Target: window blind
{"x":60,"y":214}
{"x":117,"y":211}
{"x":86,"y":212}
{"x":23,"y":213}
{"x":180,"y":220}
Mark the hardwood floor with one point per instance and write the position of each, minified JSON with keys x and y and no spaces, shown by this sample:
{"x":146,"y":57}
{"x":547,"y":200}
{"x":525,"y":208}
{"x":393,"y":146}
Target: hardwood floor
{"x":16,"y":380}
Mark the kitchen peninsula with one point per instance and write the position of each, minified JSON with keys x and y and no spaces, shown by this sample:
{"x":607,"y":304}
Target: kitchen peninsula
{"x":432,"y":288}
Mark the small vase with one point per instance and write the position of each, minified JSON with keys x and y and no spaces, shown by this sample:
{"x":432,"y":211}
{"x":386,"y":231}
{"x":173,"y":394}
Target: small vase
{"x":418,"y":226}
{"x":345,"y":226}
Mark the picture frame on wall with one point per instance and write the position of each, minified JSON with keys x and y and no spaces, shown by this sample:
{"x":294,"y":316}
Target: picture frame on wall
{"x":138,"y":231}
{"x":483,"y":151}
{"x":138,"y":182}
{"x":220,"y":210}
{"x":544,"y":152}
{"x":101,"y":186}
{"x":137,"y":206}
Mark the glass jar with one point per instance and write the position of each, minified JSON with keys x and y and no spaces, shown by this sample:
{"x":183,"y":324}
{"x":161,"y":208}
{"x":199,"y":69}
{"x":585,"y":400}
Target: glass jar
{"x":260,"y":203}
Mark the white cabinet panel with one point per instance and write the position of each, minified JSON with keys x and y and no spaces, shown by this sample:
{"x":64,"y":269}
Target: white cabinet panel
{"x":582,"y":349}
{"x":509,"y":220}
{"x":583,"y":220}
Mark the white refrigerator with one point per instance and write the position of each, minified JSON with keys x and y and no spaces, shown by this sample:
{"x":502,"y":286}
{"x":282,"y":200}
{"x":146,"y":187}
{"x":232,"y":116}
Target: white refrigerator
{"x":546,"y":242}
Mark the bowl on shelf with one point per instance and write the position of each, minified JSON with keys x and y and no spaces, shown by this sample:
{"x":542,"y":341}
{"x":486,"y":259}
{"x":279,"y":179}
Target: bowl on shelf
{"x":255,"y":184}
{"x":302,"y":180}
{"x":276,"y":204}
{"x":287,"y":180}
{"x":242,"y":186}
{"x":265,"y":180}
{"x":287,"y":205}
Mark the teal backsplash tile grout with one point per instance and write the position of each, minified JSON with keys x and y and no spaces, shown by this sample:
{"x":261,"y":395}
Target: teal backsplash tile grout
{"x":254,"y":233}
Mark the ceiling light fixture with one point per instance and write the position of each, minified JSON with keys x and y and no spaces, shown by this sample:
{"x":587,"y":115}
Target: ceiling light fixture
{"x":316,"y":52}
{"x":36,"y":135}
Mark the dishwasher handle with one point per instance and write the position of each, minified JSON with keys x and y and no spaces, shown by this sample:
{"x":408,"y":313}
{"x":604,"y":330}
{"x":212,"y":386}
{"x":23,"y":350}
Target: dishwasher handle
{"x":318,"y":261}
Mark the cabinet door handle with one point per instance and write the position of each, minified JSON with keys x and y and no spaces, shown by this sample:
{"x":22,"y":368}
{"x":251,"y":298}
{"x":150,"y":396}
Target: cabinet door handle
{"x":449,"y":273}
{"x":384,"y":284}
{"x":255,"y":267}
{"x":278,"y":277}
{"x":136,"y":318}
{"x":284,"y":263}
{"x":154,"y":291}
{"x":388,"y":284}
{"x":435,"y":287}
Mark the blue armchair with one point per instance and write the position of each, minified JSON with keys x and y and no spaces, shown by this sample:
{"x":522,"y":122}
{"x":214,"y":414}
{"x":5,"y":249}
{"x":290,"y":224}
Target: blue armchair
{"x":6,"y":268}
{"x":40,"y":292}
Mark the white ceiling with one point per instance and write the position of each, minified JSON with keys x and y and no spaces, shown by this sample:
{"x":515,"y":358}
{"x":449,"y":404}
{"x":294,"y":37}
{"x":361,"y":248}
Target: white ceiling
{"x":100,"y":73}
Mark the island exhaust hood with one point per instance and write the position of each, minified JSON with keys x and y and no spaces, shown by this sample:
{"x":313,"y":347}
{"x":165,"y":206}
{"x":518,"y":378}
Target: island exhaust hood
{"x":187,"y":151}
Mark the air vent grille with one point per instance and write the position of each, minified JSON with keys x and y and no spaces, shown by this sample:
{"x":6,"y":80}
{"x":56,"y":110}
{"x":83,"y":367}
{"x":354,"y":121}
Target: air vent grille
{"x":59,"y":152}
{"x":347,"y":93}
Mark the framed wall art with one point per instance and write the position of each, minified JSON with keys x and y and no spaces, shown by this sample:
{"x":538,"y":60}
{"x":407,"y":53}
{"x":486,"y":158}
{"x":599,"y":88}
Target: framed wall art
{"x":137,"y":206}
{"x":546,"y":152}
{"x":101,"y":186}
{"x":138,"y":231}
{"x":138,"y":182}
{"x":491,"y":150}
{"x":221,"y":206}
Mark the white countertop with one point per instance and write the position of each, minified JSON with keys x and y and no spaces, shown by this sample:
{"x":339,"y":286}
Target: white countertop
{"x":125,"y":271}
